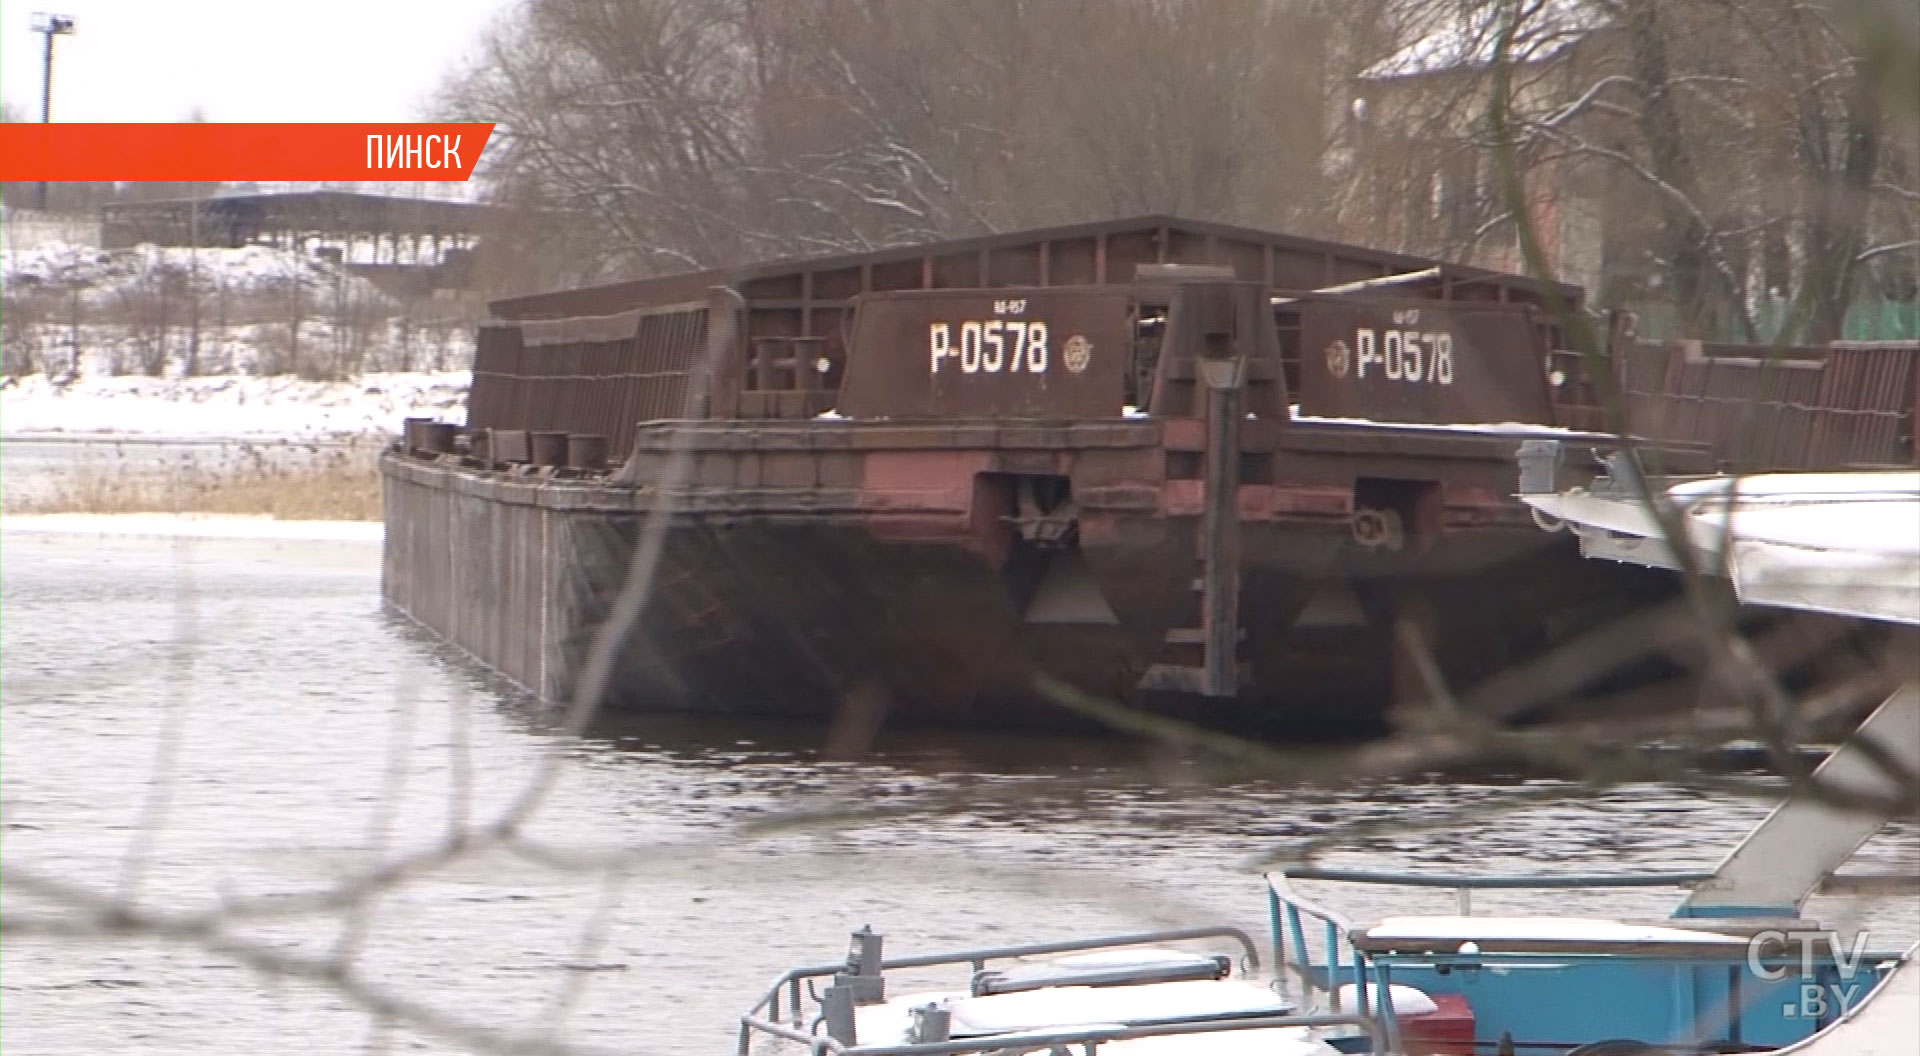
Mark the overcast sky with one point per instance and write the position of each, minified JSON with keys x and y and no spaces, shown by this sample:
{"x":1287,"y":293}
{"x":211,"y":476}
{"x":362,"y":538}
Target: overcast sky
{"x":239,"y":60}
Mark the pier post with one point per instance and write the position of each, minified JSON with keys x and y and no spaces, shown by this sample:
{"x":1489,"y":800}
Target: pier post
{"x":1222,"y":364}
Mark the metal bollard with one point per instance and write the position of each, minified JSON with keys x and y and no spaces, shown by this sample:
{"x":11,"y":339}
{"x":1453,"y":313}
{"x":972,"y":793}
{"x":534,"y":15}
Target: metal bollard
{"x":1539,"y":467}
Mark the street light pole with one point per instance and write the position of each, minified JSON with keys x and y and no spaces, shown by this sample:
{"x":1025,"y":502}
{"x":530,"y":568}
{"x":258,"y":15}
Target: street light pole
{"x":49,"y":27}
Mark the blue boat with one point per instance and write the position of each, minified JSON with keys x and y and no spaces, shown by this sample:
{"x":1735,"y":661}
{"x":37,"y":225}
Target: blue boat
{"x":1735,"y":968}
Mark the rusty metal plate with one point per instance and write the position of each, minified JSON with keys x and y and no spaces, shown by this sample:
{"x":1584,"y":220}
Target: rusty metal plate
{"x":1416,"y":361}
{"x":1761,"y":407}
{"x":601,"y":376}
{"x":1001,"y":353}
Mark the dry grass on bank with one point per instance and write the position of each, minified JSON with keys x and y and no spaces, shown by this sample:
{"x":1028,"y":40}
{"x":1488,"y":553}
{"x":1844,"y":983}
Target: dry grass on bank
{"x":335,"y":487}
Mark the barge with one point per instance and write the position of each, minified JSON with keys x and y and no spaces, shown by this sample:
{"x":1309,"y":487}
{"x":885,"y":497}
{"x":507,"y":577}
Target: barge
{"x":1218,"y":473}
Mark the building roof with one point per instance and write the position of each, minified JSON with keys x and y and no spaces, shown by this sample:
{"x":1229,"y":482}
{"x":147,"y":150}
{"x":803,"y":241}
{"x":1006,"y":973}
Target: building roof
{"x":1455,"y":40}
{"x":332,"y":212}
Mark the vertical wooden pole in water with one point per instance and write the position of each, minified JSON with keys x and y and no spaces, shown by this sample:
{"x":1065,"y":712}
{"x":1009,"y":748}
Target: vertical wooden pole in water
{"x":1222,"y":364}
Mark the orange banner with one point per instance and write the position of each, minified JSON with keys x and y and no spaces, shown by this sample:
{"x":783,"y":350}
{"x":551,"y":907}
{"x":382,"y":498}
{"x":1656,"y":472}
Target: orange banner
{"x":200,"y":151}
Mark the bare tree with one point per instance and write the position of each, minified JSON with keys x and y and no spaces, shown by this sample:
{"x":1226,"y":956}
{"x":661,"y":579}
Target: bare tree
{"x":282,"y":351}
{"x":668,"y":135}
{"x":620,"y":117}
{"x":146,"y":307}
{"x":21,"y":321}
{"x":1620,"y":134}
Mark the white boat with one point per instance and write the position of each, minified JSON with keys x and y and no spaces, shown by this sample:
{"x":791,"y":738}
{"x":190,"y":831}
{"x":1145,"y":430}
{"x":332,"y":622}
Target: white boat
{"x":1844,"y":543}
{"x":1139,"y":994}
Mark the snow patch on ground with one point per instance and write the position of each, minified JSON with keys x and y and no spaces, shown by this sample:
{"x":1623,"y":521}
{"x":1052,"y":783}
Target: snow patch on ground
{"x":264,"y":349}
{"x":100,"y":276}
{"x":232,"y":406}
{"x":190,"y":526}
{"x":174,"y":311}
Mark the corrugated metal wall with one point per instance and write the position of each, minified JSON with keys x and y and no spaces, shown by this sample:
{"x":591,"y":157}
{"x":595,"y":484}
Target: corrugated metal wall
{"x":485,"y":565}
{"x":1802,"y":408}
{"x":476,"y":572}
{"x":602,"y":374}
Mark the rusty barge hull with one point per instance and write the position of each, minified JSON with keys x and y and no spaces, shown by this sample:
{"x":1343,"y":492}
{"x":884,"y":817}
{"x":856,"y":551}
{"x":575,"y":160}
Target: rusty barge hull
{"x":805,"y":565}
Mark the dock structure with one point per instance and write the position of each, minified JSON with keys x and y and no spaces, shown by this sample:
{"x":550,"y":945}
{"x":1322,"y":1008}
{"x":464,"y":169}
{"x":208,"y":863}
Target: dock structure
{"x":1224,"y":473}
{"x":411,"y":245}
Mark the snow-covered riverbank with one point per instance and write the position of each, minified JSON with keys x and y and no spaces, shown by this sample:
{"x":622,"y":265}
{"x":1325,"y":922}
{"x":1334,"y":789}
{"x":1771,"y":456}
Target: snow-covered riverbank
{"x":189,"y":526}
{"x":227,"y":406}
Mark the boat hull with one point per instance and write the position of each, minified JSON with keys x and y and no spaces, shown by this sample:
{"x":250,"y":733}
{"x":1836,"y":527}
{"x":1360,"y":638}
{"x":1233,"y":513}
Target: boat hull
{"x":882,"y":606}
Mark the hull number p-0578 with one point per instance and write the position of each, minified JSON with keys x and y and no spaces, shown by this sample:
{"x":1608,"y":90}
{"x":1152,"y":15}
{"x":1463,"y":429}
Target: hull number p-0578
{"x":1404,"y":355}
{"x":990,"y":346}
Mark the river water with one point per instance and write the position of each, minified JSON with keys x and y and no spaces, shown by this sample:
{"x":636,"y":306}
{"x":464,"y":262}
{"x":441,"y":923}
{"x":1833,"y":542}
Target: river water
{"x":187,"y":721}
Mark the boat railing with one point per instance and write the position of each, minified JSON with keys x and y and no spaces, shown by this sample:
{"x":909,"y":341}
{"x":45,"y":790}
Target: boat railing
{"x":1463,"y":886}
{"x":783,"y":996}
{"x":1294,"y":939}
{"x":1086,"y":1037}
{"x":1861,"y":884}
{"x":1287,"y":913}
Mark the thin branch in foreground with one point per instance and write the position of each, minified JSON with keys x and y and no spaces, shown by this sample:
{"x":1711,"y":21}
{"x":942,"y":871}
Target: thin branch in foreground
{"x":358,"y":919}
{"x":580,"y":970}
{"x":176,"y":693}
{"x":94,"y":917}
